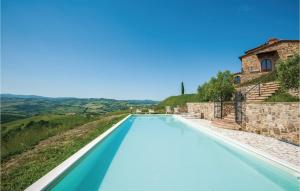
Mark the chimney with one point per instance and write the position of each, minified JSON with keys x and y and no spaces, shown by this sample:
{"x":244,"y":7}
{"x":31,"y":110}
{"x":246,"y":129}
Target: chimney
{"x":272,"y":40}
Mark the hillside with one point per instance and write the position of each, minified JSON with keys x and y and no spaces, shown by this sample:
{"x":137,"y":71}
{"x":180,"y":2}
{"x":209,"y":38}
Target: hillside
{"x":178,"y":100}
{"x":15,"y":107}
{"x":21,"y":170}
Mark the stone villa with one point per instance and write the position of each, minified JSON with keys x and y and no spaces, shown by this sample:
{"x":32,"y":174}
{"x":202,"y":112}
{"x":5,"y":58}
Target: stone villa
{"x":262,"y":59}
{"x":279,"y":120}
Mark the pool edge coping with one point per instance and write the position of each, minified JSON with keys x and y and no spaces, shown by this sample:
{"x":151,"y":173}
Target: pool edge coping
{"x":292,"y":169}
{"x":48,"y":178}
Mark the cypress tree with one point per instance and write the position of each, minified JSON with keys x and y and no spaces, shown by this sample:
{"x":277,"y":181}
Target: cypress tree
{"x":182,"y":88}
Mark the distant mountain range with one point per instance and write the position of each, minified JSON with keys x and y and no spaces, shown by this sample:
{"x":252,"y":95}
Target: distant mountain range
{"x":44,"y":97}
{"x":21,"y":106}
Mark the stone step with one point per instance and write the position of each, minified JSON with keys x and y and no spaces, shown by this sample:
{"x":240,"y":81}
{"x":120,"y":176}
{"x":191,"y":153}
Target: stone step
{"x":224,"y":124}
{"x":268,"y":88}
{"x":267,"y":83}
{"x":262,"y":94}
{"x":265,"y":89}
{"x":232,"y":117}
{"x":228,"y":120}
{"x":257,"y":98}
{"x":256,"y":95}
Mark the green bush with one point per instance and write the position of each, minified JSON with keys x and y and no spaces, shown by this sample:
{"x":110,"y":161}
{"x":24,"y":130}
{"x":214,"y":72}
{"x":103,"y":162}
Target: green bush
{"x":219,"y":88}
{"x":288,"y":72}
{"x":282,"y":96}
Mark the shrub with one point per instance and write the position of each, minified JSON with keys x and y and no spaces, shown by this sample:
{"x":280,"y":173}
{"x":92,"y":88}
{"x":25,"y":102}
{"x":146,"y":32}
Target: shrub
{"x":288,"y":72}
{"x":219,"y":88}
{"x":282,"y":96}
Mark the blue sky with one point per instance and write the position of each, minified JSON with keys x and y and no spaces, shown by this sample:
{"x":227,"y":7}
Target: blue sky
{"x":131,"y":49}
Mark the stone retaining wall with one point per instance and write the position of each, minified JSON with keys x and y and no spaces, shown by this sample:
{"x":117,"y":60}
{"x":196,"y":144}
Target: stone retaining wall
{"x":278,"y":120}
{"x":206,"y":109}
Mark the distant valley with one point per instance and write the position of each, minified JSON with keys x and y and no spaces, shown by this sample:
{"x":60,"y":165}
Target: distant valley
{"x":15,"y":107}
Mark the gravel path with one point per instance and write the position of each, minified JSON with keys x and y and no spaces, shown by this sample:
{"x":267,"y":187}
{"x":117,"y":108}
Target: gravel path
{"x":283,"y":151}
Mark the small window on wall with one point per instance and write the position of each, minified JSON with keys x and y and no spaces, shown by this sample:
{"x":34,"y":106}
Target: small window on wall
{"x":251,"y":69}
{"x":266,"y":65}
{"x":237,"y":79}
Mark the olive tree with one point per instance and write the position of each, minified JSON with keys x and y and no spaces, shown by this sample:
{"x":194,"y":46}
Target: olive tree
{"x":288,"y":72}
{"x":219,"y":88}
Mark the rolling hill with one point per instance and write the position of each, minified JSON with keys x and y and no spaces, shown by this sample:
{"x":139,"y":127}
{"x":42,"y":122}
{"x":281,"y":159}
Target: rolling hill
{"x":15,"y":107}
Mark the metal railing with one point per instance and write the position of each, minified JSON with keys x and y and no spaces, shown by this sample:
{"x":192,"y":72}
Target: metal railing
{"x":258,"y":85}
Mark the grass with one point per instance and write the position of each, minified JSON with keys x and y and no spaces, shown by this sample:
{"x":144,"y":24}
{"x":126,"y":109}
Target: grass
{"x":178,"y":100}
{"x":282,"y":96}
{"x":22,"y":170}
{"x":21,"y":135}
{"x":263,"y":79}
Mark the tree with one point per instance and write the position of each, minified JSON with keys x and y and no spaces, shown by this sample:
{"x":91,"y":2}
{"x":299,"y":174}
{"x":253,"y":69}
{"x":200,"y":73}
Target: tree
{"x":219,"y":88}
{"x":223,"y":88}
{"x":288,"y":72}
{"x":182,"y":88}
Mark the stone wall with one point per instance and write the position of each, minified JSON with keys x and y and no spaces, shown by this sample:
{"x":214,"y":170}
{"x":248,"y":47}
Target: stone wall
{"x":278,"y":120}
{"x":206,"y":109}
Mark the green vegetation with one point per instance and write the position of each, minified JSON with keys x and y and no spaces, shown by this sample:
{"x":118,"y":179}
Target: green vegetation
{"x":178,"y":100}
{"x":182,"y":88}
{"x":38,"y":133}
{"x":21,"y":170}
{"x":23,"y":134}
{"x":15,"y":107}
{"x":217,"y":88}
{"x":270,"y":77}
{"x":288,"y":72}
{"x":282,"y":96}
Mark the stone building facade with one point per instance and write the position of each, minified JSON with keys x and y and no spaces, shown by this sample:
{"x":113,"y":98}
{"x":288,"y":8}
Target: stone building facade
{"x":262,"y":59}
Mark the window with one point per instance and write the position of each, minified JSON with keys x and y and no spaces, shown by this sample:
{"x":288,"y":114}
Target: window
{"x":251,"y":69}
{"x":266,"y":65}
{"x":237,"y":79}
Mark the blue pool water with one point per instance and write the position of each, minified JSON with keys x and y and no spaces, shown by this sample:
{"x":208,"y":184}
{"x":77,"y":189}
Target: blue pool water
{"x":147,"y":153}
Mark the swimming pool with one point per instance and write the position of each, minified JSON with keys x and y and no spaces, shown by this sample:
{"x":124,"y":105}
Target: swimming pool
{"x":159,"y":152}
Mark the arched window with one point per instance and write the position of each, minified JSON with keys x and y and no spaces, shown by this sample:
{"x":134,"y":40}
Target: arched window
{"x":266,"y":65}
{"x":237,"y":79}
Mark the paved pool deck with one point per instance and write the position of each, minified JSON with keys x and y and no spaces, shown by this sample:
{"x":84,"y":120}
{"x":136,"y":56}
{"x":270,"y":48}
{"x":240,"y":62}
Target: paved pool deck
{"x":285,"y":152}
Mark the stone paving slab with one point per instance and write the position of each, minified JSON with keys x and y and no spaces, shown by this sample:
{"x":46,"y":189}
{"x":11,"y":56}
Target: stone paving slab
{"x":284,"y":151}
